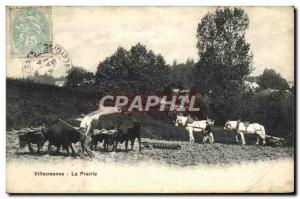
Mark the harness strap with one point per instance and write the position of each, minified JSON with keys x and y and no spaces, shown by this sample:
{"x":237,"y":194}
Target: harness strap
{"x":186,"y":123}
{"x":238,"y":125}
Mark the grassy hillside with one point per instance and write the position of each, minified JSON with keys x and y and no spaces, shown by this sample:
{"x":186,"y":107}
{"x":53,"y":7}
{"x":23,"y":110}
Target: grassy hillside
{"x":26,"y":101}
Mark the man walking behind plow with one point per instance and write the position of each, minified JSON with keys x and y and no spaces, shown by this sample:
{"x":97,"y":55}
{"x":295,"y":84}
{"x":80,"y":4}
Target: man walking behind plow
{"x":208,"y":133}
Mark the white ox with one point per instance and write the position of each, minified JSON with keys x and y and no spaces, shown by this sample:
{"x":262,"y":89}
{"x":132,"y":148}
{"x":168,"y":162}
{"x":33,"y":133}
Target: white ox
{"x":195,"y":126}
{"x":245,"y":128}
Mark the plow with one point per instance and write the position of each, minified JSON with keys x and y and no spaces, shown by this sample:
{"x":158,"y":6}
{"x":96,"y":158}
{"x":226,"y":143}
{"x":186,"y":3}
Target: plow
{"x":160,"y":145}
{"x":275,"y":141}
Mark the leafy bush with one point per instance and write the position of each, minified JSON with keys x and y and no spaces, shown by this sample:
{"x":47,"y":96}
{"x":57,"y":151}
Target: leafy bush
{"x":276,"y":112}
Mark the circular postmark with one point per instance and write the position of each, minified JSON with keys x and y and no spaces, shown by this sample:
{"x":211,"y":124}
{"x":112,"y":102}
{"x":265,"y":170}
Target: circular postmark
{"x":46,"y":59}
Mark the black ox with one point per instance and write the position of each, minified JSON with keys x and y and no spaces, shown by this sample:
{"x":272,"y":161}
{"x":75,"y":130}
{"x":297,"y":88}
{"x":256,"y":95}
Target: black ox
{"x":129,"y":133}
{"x":124,"y":134}
{"x":28,"y":136}
{"x":61,"y":134}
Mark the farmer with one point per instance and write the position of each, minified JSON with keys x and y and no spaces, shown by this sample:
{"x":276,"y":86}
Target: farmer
{"x":208,"y":133}
{"x":86,"y":121}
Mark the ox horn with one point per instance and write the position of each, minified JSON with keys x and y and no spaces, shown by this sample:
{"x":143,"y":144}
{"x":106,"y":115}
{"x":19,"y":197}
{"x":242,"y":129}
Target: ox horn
{"x":15,"y":131}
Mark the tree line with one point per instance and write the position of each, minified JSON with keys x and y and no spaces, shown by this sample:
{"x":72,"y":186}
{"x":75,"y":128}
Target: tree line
{"x":218,"y":77}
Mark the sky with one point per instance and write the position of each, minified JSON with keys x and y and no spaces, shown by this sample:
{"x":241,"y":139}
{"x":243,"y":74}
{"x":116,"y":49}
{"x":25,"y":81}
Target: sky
{"x":90,"y":34}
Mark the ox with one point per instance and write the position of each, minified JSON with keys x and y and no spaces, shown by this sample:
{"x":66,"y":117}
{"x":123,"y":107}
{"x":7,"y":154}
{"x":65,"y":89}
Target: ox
{"x":28,"y":136}
{"x":110,"y":137}
{"x":129,"y":133}
{"x":61,"y":134}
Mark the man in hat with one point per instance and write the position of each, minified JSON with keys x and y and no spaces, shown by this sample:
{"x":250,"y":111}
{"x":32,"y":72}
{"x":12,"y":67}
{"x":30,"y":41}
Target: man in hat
{"x":208,"y":133}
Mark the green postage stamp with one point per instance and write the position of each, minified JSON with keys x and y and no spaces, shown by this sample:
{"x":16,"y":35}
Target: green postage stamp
{"x":29,"y":26}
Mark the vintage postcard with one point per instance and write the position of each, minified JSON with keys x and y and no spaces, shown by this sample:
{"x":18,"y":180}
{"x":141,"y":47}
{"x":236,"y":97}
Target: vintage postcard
{"x":150,"y":99}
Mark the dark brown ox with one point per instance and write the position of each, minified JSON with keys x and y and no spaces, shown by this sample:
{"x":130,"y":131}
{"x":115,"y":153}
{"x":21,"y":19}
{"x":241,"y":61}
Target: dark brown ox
{"x":109,"y":137}
{"x":28,"y":136}
{"x":126,"y":131}
{"x":103,"y":131}
{"x":129,"y":133}
{"x":61,"y":134}
{"x":96,"y":138}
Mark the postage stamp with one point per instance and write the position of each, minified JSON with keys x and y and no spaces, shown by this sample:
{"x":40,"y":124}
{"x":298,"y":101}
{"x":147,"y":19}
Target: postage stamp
{"x":29,"y":26}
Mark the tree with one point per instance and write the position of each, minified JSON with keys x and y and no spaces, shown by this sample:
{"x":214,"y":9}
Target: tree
{"x":43,"y":79}
{"x":78,"y":77}
{"x":182,"y":75}
{"x":271,"y":79}
{"x":276,"y":112}
{"x":174,"y":63}
{"x":137,"y":71}
{"x":225,"y":60}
